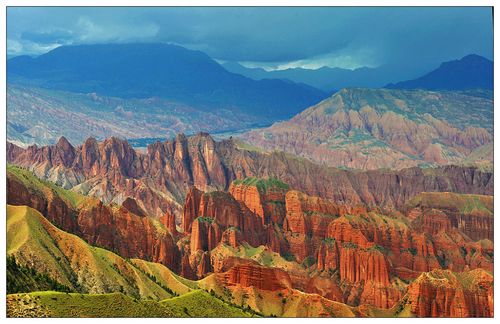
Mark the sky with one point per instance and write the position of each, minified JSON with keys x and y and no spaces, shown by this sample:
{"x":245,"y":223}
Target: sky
{"x":271,"y":38}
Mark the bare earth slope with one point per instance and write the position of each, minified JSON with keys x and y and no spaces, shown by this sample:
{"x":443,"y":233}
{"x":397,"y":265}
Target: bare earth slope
{"x":382,"y":128}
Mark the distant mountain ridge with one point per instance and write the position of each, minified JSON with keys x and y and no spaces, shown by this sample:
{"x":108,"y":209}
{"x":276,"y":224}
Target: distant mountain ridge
{"x":326,"y":78}
{"x":386,"y":128}
{"x":160,"y":70}
{"x":470,"y":72}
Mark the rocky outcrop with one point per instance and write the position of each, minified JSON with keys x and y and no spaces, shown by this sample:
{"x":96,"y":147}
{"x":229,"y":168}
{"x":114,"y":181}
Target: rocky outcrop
{"x":48,"y":203}
{"x":159,"y":179}
{"x":220,"y":209}
{"x":131,"y":205}
{"x":360,"y":265}
{"x":444,"y":211}
{"x":191,"y":208}
{"x":205,"y":234}
{"x":442,"y":293}
{"x":306,"y":222}
{"x":168,"y":220}
{"x":264,"y":197}
{"x":131,"y":236}
{"x":264,"y":278}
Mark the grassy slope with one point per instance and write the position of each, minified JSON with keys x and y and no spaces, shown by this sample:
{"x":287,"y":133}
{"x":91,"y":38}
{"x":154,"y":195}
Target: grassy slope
{"x":199,"y":303}
{"x":56,"y":304}
{"x":165,"y":276}
{"x":25,"y":279}
{"x":70,"y":260}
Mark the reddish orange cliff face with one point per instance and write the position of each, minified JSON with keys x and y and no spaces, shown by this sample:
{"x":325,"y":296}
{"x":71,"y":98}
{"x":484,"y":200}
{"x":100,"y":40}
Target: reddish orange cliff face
{"x":261,"y":234}
{"x":160,"y":178}
{"x":248,"y":275}
{"x":441,"y":293}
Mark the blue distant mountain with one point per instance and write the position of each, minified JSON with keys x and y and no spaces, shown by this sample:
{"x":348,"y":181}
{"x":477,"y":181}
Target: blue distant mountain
{"x":330,"y":79}
{"x":470,"y":72}
{"x":160,"y":70}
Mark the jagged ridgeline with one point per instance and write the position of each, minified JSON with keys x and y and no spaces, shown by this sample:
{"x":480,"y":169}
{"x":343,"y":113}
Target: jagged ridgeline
{"x":159,"y":178}
{"x":260,"y":248}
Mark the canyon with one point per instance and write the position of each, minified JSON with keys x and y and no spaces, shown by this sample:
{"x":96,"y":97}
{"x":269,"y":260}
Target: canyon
{"x":264,"y":235}
{"x":159,"y":179}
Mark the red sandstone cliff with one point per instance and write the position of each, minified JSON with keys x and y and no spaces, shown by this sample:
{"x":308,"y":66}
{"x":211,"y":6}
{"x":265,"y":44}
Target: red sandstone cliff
{"x":446,"y":294}
{"x":160,"y":178}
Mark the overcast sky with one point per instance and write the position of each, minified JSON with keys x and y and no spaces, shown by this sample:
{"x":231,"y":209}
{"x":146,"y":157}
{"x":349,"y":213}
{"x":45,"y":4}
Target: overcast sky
{"x":267,"y":37}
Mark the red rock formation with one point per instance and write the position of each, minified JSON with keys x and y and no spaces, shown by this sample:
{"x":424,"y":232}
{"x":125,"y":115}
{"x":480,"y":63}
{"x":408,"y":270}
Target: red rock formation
{"x":48,"y":203}
{"x":191,"y":208}
{"x":250,"y":196}
{"x":328,"y":257}
{"x":205,"y":234}
{"x":306,"y":222}
{"x":222,"y":209}
{"x":168,"y":220}
{"x":366,"y":250}
{"x":231,"y":237}
{"x":112,"y":169}
{"x":444,"y":211}
{"x":248,"y":275}
{"x":359,"y":265}
{"x":269,"y":204}
{"x":129,"y":235}
{"x":446,"y":294}
{"x":131,"y":205}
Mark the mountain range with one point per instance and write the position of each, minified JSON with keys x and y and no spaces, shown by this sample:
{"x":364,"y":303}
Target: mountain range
{"x":361,"y":202}
{"x":40,"y":116}
{"x":170,"y":72}
{"x":470,"y":72}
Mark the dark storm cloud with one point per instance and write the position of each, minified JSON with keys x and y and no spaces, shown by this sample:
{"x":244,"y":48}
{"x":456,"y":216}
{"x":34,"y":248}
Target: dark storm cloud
{"x":309,"y":37}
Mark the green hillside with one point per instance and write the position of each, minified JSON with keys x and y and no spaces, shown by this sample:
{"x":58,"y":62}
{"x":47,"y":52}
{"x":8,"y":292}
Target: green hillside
{"x":57,"y":304}
{"x":68,"y":259}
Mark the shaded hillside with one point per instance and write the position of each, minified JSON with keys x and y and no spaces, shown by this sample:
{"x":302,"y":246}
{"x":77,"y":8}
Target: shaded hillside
{"x":470,"y":72}
{"x":159,"y":70}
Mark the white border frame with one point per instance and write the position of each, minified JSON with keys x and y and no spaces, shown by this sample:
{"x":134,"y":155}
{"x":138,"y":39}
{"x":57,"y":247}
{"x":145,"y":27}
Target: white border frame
{"x":229,"y":3}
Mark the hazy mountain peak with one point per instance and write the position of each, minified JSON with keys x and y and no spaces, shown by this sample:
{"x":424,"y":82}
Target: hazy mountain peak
{"x":470,"y":72}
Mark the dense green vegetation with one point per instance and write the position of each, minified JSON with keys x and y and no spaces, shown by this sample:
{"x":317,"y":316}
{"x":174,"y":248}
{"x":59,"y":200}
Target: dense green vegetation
{"x":198,"y":303}
{"x":25,"y":279}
